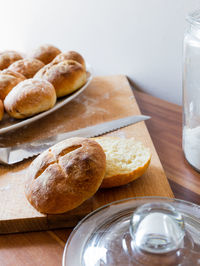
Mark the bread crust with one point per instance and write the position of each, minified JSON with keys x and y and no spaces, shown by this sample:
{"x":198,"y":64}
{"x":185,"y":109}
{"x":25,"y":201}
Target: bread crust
{"x":8,"y":80}
{"x":12,"y":73}
{"x":123,"y":179}
{"x":70,"y":55}
{"x":1,"y":110}
{"x":8,"y":57}
{"x":66,"y":175}
{"x":66,"y":76}
{"x":45,"y":53}
{"x":30,"y":97}
{"x":27,"y":66}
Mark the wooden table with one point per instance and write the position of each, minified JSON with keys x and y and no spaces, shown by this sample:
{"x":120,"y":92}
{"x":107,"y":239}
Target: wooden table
{"x":46,"y":248}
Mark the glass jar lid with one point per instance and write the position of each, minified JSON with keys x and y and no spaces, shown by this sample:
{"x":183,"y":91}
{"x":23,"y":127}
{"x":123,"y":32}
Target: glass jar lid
{"x":137,"y":231}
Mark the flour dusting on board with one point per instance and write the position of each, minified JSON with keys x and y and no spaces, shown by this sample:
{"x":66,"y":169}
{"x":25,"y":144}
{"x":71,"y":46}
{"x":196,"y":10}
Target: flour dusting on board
{"x":90,"y":105}
{"x":55,"y":130}
{"x":19,"y":174}
{"x":106,"y":95}
{"x":17,"y":177}
{"x":119,"y":134}
{"x":5,"y":188}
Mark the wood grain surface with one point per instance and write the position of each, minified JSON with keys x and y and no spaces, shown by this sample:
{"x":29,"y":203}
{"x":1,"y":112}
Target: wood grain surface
{"x":106,"y":98}
{"x":46,"y":248}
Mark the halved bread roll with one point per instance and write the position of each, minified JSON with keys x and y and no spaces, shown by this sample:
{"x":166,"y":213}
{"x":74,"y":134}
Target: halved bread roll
{"x":126,"y":160}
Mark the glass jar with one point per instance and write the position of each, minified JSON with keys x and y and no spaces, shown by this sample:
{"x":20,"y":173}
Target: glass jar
{"x":191,"y":91}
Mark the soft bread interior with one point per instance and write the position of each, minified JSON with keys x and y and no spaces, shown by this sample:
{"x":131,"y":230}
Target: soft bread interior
{"x":123,"y":156}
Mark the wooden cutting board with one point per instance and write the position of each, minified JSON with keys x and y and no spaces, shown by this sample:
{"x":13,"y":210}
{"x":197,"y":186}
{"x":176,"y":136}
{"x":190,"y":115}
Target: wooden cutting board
{"x":105,"y":99}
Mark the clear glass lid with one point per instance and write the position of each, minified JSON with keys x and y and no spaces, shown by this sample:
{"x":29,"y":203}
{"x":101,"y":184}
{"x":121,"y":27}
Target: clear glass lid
{"x":194,"y":18}
{"x":137,"y":231}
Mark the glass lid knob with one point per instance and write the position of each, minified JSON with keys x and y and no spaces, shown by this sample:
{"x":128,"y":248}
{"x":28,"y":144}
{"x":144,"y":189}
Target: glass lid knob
{"x":157,"y":228}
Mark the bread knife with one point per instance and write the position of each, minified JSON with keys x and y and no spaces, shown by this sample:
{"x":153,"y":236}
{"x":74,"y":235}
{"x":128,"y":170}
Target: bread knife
{"x":15,"y":154}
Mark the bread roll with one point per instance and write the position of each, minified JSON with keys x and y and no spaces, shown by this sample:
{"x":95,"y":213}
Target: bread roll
{"x":12,"y":73}
{"x":8,"y":80}
{"x":71,"y":55}
{"x":27,"y":67}
{"x":66,"y":76}
{"x":66,"y":175}
{"x":126,"y":160}
{"x":30,"y":97}
{"x":45,"y":53}
{"x":1,"y":110}
{"x":7,"y":58}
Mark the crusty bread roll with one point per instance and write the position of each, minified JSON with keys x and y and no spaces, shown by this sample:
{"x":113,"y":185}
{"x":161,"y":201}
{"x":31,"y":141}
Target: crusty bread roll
{"x":7,"y":58}
{"x":45,"y":53}
{"x":66,"y":76}
{"x":126,"y":160}
{"x":1,"y":110}
{"x":8,"y":80}
{"x":71,"y":55}
{"x":30,"y":97}
{"x":66,"y":175}
{"x":7,"y":71}
{"x":27,"y":66}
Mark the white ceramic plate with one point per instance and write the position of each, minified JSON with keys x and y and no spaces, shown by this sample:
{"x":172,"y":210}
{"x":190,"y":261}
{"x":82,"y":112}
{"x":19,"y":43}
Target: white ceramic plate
{"x":9,"y":124}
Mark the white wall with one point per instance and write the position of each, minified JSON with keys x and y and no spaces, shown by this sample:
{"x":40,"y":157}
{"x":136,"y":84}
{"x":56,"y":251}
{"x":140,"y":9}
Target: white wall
{"x":139,"y":38}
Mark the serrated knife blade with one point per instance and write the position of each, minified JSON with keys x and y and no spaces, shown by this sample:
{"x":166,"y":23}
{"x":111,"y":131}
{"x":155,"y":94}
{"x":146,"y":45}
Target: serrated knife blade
{"x":15,"y":154}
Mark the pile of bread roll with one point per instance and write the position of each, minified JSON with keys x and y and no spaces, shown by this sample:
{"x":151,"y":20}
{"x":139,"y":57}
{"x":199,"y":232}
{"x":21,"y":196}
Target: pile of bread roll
{"x":70,"y":172}
{"x":32,"y":84}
